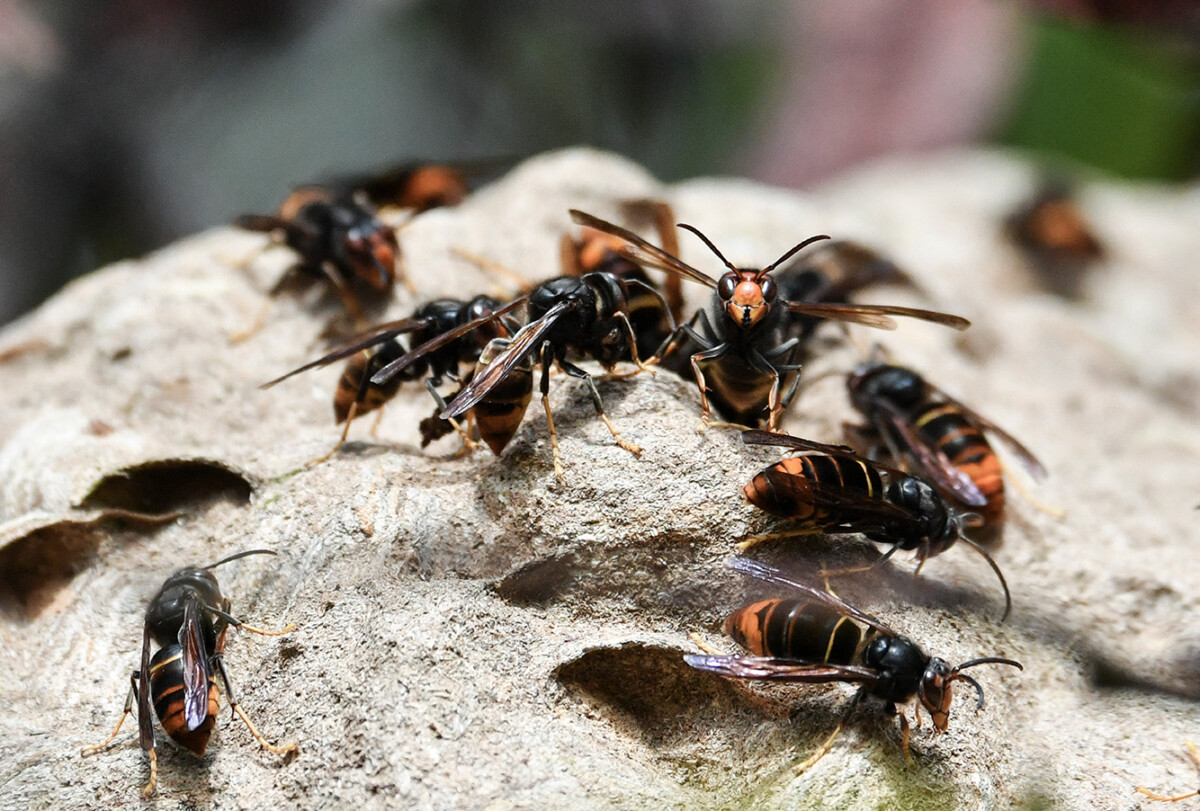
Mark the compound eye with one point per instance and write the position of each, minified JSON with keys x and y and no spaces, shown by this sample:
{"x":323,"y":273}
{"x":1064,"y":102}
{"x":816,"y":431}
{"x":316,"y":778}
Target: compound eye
{"x":769,"y":289}
{"x":725,"y":287}
{"x":936,"y":696}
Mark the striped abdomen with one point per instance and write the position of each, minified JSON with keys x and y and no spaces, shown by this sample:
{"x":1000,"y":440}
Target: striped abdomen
{"x":499,"y":414}
{"x":354,"y":385}
{"x":166,"y":691}
{"x":795,"y":629}
{"x":740,"y":391}
{"x":786,"y":488}
{"x":946,"y":427}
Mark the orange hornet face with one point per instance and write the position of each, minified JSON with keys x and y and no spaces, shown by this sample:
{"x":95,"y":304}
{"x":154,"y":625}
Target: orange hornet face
{"x":936,"y":694}
{"x":376,"y":250}
{"x":746,"y":296}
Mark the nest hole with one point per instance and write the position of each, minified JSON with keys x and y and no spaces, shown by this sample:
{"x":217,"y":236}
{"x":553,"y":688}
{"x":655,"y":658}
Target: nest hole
{"x":537,"y":582}
{"x":35,"y":569}
{"x":650,"y":689}
{"x":168,"y":486}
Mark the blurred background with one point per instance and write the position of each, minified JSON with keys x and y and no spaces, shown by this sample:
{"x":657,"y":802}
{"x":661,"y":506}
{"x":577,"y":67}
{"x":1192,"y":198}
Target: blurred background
{"x":127,"y":124}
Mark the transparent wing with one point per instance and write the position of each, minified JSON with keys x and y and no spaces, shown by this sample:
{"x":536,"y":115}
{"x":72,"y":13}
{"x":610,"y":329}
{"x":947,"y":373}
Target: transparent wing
{"x":376,"y":335}
{"x":195,"y":665}
{"x":773,"y":575}
{"x":930,"y":459}
{"x":642,"y":252}
{"x":876,"y":315}
{"x":524,"y":344}
{"x":775,"y":669}
{"x":1031,"y":463}
{"x":399,"y":364}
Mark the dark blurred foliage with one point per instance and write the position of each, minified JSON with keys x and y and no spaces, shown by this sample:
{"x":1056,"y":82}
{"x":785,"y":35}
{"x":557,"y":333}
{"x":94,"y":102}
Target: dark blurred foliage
{"x":156,"y":119}
{"x":129,"y":123}
{"x":77,"y":185}
{"x":1125,"y":99}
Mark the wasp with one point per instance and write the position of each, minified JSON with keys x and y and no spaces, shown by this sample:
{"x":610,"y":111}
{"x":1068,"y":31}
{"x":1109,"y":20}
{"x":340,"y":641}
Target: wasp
{"x":338,"y":237}
{"x":587,"y":315}
{"x":829,"y":488}
{"x":597,"y":251}
{"x":471,"y":325}
{"x":416,"y":186}
{"x":652,"y":312}
{"x":927,"y":430}
{"x":188,"y":619}
{"x":620,"y":292}
{"x":817,"y":638}
{"x":751,"y":360}
{"x":1056,"y":237}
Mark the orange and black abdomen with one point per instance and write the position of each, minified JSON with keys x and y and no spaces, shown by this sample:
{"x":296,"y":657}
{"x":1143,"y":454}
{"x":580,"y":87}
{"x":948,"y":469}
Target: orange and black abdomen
{"x":166,"y":692}
{"x":499,"y":414}
{"x":786,"y":487}
{"x":354,"y":385}
{"x":946,"y":427}
{"x":795,"y":629}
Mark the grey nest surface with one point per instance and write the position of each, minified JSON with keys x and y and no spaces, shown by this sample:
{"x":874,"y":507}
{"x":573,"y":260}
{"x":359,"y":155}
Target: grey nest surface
{"x":474,"y":632}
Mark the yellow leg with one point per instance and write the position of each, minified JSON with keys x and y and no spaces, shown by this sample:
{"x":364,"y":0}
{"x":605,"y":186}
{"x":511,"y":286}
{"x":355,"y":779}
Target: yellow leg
{"x":633,"y":353}
{"x":829,"y":590}
{"x":1018,"y":483}
{"x":844,"y":572}
{"x":346,"y":295}
{"x":754,"y":540}
{"x":149,"y":789}
{"x":287,"y":748}
{"x":469,"y":445}
{"x":287,"y":629}
{"x":259,"y":320}
{"x":244,"y":262}
{"x":375,"y":424}
{"x":822,"y":750}
{"x":558,"y":468}
{"x":401,"y":268}
{"x":705,"y":411}
{"x":735,"y":425}
{"x":1194,"y":754}
{"x":699,"y":642}
{"x":495,"y":268}
{"x":904,"y":735}
{"x":639,"y":367}
{"x":861,"y":348}
{"x":636,"y":450}
{"x":341,"y":440}
{"x":1162,"y":798}
{"x":774,"y":408}
{"x":87,"y":751}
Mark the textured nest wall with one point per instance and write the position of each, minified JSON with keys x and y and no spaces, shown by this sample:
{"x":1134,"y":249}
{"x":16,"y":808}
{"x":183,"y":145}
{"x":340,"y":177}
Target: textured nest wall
{"x":475,"y":633}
